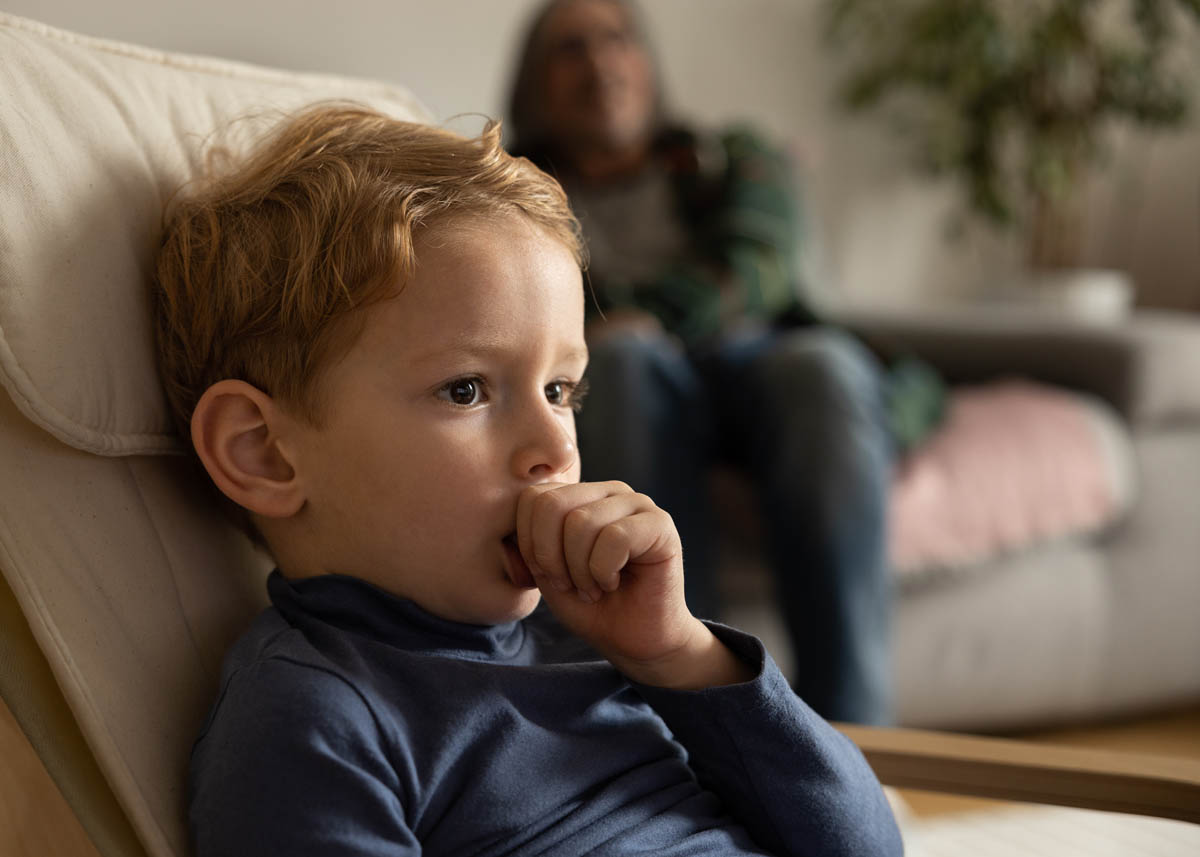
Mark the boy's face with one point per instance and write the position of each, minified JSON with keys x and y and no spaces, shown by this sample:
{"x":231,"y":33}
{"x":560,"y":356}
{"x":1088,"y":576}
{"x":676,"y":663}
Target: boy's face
{"x":456,"y":396}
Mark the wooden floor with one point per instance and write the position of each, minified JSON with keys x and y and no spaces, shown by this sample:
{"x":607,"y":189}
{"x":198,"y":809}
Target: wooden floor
{"x":35,"y":821}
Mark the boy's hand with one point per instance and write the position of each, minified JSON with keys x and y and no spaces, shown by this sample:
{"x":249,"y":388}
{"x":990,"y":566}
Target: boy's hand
{"x":609,"y":564}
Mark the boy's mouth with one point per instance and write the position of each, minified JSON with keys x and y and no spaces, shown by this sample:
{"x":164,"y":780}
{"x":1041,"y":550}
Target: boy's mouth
{"x":514,"y":565}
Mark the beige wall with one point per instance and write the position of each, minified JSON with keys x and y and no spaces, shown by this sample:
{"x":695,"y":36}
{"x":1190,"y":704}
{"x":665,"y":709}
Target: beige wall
{"x":881,"y":230}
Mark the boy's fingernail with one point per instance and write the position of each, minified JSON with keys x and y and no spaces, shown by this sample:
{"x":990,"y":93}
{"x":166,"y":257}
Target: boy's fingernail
{"x":561,"y":585}
{"x":585,"y":596}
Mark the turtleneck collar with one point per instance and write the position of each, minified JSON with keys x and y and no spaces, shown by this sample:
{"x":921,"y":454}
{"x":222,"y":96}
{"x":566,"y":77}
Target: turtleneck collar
{"x":356,"y":606}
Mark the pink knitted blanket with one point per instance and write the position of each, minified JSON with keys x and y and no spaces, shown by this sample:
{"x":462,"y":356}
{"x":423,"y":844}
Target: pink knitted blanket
{"x":1014,"y":464}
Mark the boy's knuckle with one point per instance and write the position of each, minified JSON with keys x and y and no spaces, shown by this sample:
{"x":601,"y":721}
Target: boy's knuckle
{"x":614,"y":531}
{"x":549,"y":503}
{"x":577,"y":520}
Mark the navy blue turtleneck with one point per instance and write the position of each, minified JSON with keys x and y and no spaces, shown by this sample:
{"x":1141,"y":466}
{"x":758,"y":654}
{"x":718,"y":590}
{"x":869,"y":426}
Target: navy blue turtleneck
{"x":351,"y":722}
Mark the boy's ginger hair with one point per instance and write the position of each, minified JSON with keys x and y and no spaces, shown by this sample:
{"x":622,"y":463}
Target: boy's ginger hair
{"x":261,"y":269}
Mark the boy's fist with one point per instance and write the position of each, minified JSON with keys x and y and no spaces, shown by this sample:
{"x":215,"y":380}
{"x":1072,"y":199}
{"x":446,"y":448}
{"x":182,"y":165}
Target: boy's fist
{"x":609,"y":564}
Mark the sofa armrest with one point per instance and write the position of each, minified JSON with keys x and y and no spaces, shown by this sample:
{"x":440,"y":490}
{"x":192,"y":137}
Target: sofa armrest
{"x":1147,"y":367}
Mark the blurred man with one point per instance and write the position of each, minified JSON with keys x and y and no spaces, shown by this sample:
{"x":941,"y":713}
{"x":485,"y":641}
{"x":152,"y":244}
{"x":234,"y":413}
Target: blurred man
{"x":697,"y":327}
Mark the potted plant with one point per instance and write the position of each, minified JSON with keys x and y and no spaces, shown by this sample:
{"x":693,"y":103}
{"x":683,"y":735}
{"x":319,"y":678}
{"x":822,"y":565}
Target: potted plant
{"x":1013,"y":98}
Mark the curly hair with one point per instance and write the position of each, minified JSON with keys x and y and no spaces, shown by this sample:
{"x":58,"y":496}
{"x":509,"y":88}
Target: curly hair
{"x":261,"y":269}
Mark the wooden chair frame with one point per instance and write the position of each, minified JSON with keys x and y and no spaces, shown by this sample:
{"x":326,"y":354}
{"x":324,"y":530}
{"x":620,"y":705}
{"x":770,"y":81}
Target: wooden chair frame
{"x":1005,"y":769}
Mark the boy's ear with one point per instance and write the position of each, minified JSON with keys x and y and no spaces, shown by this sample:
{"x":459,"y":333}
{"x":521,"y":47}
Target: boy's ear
{"x":235,"y":429}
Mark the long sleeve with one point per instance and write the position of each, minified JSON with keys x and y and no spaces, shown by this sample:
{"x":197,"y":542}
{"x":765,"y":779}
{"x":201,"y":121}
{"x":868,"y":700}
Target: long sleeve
{"x":397,"y":733}
{"x":296,"y":768}
{"x":797,"y":784}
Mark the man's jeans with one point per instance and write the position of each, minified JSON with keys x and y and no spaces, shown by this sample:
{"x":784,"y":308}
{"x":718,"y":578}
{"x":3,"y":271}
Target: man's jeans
{"x":801,"y":412}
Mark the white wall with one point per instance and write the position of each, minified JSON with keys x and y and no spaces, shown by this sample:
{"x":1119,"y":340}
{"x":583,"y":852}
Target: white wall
{"x":881,"y":230}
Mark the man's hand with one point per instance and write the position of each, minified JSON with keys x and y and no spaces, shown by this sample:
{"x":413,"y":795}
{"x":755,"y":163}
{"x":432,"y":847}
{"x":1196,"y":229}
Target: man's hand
{"x":609,"y":564}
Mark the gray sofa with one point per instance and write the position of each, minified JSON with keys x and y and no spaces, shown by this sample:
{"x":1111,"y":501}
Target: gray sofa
{"x":1083,"y":628}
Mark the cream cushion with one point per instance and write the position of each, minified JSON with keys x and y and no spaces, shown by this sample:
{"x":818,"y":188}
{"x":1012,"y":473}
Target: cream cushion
{"x":131,"y":584}
{"x":96,"y":137}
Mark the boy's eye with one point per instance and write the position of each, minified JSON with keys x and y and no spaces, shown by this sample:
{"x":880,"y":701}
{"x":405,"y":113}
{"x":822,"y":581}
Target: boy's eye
{"x":462,"y":391}
{"x":568,"y":393}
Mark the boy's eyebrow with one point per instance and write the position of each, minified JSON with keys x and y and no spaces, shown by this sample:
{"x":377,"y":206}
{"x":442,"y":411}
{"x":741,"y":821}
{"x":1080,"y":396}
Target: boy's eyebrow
{"x":486,"y":349}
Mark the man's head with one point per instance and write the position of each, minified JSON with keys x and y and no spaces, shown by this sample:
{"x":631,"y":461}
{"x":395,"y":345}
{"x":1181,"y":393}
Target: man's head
{"x":585,"y":82}
{"x":372,"y":331}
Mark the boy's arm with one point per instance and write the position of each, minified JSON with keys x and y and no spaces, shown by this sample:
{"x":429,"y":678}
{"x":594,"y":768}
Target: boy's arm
{"x":703,"y":662}
{"x":609,"y":565}
{"x":797,"y":784}
{"x":291,"y":764}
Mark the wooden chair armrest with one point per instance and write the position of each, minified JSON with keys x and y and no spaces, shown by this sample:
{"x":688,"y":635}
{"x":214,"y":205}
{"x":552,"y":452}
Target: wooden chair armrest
{"x":1004,"y":769}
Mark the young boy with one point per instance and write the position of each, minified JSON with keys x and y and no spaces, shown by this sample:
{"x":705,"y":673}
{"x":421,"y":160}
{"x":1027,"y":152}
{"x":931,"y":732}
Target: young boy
{"x":373,"y":333}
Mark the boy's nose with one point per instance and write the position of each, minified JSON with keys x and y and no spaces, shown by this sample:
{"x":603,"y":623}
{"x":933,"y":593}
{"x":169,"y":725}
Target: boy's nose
{"x":546,"y":447}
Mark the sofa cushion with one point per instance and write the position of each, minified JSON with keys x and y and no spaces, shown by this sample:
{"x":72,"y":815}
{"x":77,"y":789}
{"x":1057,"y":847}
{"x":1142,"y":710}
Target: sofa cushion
{"x":1014,"y":464}
{"x":96,"y":137}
